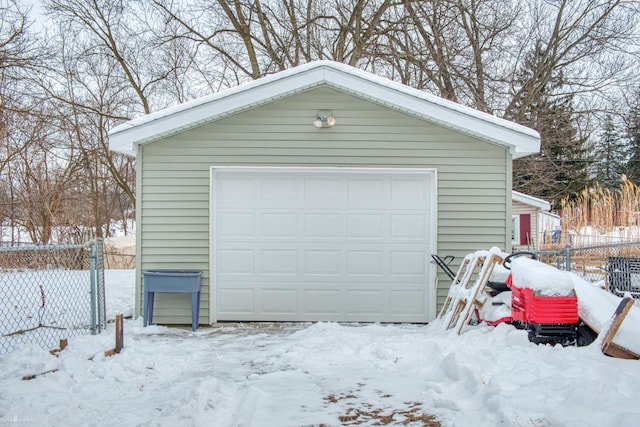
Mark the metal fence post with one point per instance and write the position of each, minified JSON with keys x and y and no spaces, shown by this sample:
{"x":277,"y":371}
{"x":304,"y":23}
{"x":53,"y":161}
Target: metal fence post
{"x":100,"y":286}
{"x":93,"y":289}
{"x":568,"y":258}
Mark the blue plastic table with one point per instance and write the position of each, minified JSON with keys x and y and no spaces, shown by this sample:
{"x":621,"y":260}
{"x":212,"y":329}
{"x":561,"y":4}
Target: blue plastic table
{"x":171,"y":281}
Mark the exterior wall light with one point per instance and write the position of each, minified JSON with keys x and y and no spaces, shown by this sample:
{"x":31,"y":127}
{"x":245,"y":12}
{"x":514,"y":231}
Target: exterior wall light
{"x":324,"y":121}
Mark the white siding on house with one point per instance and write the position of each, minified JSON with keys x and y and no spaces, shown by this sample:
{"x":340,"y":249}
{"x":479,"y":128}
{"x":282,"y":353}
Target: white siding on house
{"x":473,"y":179}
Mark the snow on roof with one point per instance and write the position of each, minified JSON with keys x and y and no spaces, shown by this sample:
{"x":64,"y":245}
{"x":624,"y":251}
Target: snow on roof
{"x":521,"y":140}
{"x":530,"y":200}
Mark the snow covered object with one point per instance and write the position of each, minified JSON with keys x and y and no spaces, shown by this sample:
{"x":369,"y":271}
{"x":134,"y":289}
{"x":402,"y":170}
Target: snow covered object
{"x":466,"y":294}
{"x":543,"y":300}
{"x":597,"y":308}
{"x":515,"y":289}
{"x":556,"y":307}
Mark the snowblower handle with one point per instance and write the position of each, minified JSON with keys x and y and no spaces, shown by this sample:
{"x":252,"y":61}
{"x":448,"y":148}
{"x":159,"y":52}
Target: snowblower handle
{"x":507,"y":261}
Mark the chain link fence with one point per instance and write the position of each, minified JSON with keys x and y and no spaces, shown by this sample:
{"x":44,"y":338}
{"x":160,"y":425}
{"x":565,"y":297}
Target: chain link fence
{"x":48,"y":293}
{"x":617,"y":264}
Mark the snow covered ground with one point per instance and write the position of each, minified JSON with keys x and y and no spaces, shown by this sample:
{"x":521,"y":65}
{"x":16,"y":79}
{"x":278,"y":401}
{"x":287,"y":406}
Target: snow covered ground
{"x":314,"y":374}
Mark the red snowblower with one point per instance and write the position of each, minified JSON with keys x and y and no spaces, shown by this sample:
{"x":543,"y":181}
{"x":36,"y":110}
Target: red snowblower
{"x":515,"y":289}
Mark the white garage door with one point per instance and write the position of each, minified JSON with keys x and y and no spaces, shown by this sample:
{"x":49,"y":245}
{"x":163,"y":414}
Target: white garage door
{"x":310,"y":244}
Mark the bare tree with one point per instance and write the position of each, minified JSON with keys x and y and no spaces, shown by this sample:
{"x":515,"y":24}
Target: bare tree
{"x":105,"y":75}
{"x":252,"y":38}
{"x":545,"y":64}
{"x":41,"y":177}
{"x":119,"y":33}
{"x":17,"y":54}
{"x":468,"y":51}
{"x":581,"y":40}
{"x":88,"y":94}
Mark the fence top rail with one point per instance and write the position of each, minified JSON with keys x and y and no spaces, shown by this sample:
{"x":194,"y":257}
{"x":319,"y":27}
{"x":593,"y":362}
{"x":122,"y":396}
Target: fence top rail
{"x":44,"y":247}
{"x":586,"y":248}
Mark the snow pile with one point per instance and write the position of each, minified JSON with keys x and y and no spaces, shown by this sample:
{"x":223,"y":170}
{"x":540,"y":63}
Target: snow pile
{"x":596,"y":307}
{"x":541,"y":278}
{"x":313,"y":374}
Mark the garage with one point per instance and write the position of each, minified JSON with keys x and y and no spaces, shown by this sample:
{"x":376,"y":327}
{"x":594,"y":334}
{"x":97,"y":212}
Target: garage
{"x":335,"y":244}
{"x":317,"y":193}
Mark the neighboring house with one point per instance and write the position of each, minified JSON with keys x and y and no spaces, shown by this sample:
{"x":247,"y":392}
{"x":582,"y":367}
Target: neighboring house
{"x":318,"y":193}
{"x":531,"y":223}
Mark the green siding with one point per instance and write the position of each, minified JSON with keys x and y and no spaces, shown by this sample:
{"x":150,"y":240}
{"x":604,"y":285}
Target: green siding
{"x":173,"y":177}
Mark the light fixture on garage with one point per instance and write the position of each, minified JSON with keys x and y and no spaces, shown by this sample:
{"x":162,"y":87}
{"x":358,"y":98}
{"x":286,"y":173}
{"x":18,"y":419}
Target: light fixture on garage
{"x":325,"y":120}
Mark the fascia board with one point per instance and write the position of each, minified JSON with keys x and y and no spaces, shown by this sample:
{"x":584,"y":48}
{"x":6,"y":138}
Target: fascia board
{"x":530,"y":200}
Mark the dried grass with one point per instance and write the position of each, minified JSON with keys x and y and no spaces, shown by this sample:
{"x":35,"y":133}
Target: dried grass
{"x":363,"y":413}
{"x":604,"y":210}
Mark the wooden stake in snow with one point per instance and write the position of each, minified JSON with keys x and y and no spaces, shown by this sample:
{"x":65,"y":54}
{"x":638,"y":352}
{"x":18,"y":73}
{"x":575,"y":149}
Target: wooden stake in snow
{"x":33,"y":376}
{"x":119,"y":336}
{"x":63,"y":344}
{"x":608,"y":346}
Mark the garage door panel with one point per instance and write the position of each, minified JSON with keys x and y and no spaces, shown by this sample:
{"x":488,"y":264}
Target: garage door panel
{"x":236,"y":225}
{"x":355,"y":260}
{"x":280,"y":189}
{"x":287,"y":225}
{"x":279,"y":262}
{"x":279,"y":301}
{"x":323,"y":226}
{"x":322,"y":301}
{"x":236,"y":301}
{"x":370,"y":302}
{"x":366,"y":263}
{"x":236,"y":261}
{"x":235,"y":191}
{"x":322,"y":262}
{"x":370,"y":226}
{"x":278,"y":225}
{"x":368,"y":193}
{"x":326,"y":300}
{"x":309,"y":244}
{"x":408,"y":263}
{"x":324,"y":192}
{"x":410,"y":193}
{"x":407,"y":302}
{"x":411,"y":226}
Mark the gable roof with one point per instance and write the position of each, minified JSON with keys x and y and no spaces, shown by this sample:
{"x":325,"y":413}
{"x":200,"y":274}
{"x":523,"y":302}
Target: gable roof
{"x":530,"y":200}
{"x":521,"y":140}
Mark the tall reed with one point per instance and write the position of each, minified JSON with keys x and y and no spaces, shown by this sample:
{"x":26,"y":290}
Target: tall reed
{"x":601,"y":211}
